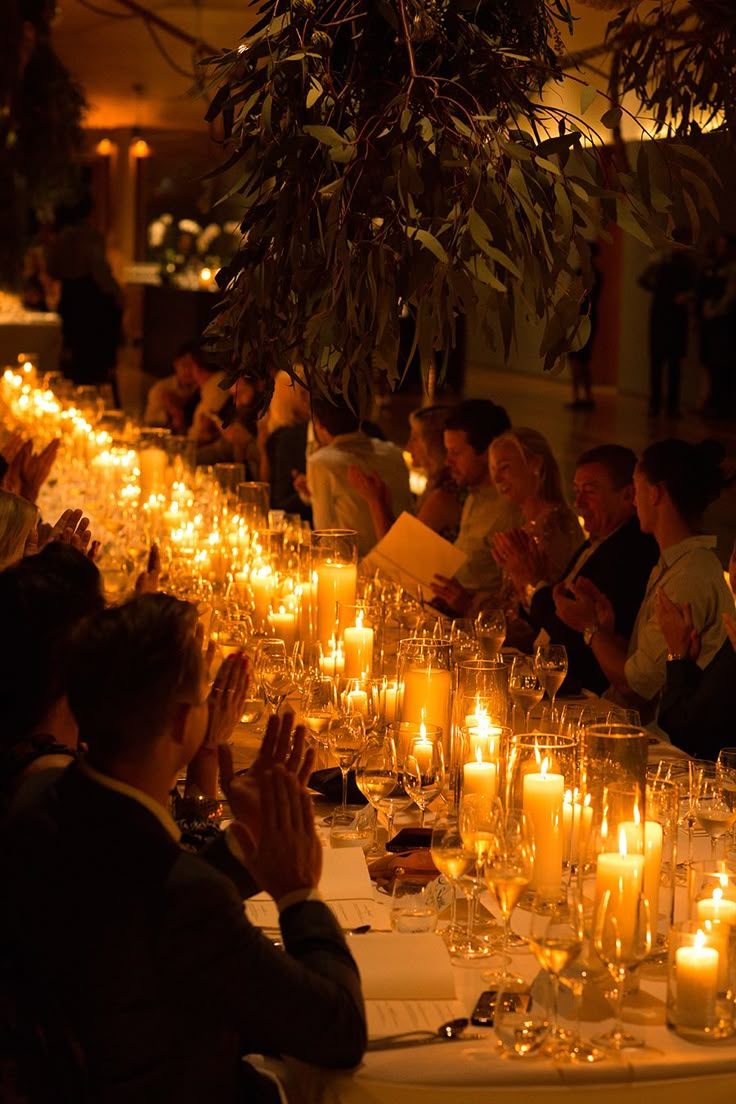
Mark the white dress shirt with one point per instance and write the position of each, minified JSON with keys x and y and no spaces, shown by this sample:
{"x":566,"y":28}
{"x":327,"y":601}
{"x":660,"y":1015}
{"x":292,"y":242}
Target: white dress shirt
{"x":484,"y":512}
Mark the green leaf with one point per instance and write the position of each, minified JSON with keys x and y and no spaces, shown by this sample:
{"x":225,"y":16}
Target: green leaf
{"x":331,"y":189}
{"x":587,"y":96}
{"x":328,"y":136}
{"x":405,"y":120}
{"x":430,"y":242}
{"x":315,"y":91}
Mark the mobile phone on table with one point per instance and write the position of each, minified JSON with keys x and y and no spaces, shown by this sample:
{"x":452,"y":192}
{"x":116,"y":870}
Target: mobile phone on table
{"x":485,"y":1007}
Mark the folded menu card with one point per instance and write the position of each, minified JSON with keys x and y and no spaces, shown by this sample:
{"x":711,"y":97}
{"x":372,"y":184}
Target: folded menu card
{"x":345,"y":886}
{"x":408,"y":982}
{"x":412,"y":554}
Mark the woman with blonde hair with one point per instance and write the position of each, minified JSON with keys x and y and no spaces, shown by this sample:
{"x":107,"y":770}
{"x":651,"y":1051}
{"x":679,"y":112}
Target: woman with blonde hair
{"x":18,"y":517}
{"x":525,"y":471}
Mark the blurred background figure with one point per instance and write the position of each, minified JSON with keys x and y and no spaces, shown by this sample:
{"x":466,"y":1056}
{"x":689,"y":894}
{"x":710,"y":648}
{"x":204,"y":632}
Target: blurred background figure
{"x":717,"y":309}
{"x":172,"y":401}
{"x":671,"y":280}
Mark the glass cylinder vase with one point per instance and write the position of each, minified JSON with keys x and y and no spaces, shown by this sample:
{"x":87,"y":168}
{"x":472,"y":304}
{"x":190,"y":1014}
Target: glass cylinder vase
{"x":425,"y":685}
{"x":335,"y":572}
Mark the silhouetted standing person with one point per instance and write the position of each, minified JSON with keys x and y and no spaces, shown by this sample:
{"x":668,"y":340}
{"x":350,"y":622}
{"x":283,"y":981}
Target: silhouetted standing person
{"x":670,"y":280}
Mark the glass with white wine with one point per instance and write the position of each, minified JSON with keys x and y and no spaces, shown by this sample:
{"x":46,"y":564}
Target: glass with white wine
{"x":525,"y":688}
{"x":377,"y":778}
{"x":508,"y":871}
{"x":556,"y":938}
{"x":453,"y":859}
{"x":551,"y":664}
{"x":490,"y":632}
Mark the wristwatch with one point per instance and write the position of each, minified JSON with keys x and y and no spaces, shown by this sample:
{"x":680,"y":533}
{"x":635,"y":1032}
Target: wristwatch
{"x":674,"y":657}
{"x":589,"y":633}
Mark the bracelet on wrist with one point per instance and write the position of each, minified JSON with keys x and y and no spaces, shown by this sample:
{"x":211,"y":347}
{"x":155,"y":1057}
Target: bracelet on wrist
{"x":675,"y":657}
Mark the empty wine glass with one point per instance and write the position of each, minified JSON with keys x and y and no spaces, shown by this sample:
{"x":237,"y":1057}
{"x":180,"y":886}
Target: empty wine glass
{"x":377,"y":777}
{"x":490,"y":631}
{"x":346,"y":739}
{"x":362,"y":695}
{"x":463,"y":640}
{"x":525,"y":688}
{"x":621,"y":716}
{"x":508,"y":871}
{"x":273,"y":668}
{"x":453,"y":859}
{"x":556,"y":938}
{"x":551,"y":664}
{"x":622,"y":938}
{"x":424,"y":769}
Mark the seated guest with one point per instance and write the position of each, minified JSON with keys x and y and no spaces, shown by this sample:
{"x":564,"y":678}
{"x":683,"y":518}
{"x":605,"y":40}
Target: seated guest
{"x":675,"y":481}
{"x":343,"y":444}
{"x":604,"y":498}
{"x":18,"y":519}
{"x":212,"y":398}
{"x":283,"y":444}
{"x":525,"y":473}
{"x":144,"y":950}
{"x":469,"y":431}
{"x":44,"y":597}
{"x":440,"y":505}
{"x":237,"y":427}
{"x":171,"y":402}
{"x":697,"y":706}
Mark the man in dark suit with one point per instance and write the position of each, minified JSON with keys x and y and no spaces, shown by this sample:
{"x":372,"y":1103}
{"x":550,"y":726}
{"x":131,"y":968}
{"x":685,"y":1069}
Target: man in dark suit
{"x":617,"y":557}
{"x":143,"y":950}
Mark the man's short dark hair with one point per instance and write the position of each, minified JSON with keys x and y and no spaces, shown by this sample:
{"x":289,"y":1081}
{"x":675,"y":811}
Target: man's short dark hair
{"x":618,"y":461}
{"x":481,"y":420}
{"x":129,"y":667}
{"x":335,"y":415}
{"x":194,"y":350}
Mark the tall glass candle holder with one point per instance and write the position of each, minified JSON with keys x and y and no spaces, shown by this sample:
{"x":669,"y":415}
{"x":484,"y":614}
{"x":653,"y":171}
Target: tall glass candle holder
{"x":661,"y":828}
{"x":153,"y":461}
{"x":335,"y":569}
{"x":358,"y":638}
{"x":700,"y":983}
{"x":425,"y":684}
{"x":611,"y":755}
{"x":253,"y":500}
{"x":542,"y":768}
{"x":711,"y":887}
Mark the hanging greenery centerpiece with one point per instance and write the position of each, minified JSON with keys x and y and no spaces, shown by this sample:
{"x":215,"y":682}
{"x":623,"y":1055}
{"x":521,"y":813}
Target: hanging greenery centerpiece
{"x":399,"y":154}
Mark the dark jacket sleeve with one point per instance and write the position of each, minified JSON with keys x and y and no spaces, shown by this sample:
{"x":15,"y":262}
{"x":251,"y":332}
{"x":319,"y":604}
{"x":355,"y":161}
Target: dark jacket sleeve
{"x":696,"y":709}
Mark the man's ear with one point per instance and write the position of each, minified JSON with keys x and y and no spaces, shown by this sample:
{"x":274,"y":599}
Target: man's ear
{"x":178,"y":729}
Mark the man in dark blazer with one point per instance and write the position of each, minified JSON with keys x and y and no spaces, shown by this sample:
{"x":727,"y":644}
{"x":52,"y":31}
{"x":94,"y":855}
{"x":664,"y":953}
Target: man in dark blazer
{"x":142,"y":950}
{"x":617,"y":557}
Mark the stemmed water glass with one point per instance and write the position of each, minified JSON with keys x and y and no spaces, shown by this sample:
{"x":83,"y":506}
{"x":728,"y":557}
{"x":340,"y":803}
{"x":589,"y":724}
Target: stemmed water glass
{"x":508,"y":871}
{"x":556,"y":938}
{"x":714,"y":806}
{"x":727,"y":761}
{"x":273,"y":669}
{"x":490,"y":631}
{"x":377,"y":778}
{"x":346,"y":739}
{"x":424,"y":772}
{"x":622,"y":938}
{"x":453,"y":859}
{"x":551,"y":663}
{"x":525,"y":688}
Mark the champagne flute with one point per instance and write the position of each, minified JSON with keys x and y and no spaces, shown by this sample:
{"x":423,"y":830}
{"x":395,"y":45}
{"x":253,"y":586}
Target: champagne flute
{"x":551,"y":664}
{"x":346,"y":739}
{"x":453,"y":859}
{"x":490,"y":632}
{"x":424,"y":771}
{"x":556,"y":938}
{"x":377,"y":777}
{"x":525,"y":689}
{"x":622,"y":938}
{"x":508,"y":871}
{"x":714,"y":806}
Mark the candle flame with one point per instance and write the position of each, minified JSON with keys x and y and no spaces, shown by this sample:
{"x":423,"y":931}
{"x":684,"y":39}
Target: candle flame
{"x":637,"y":814}
{"x":723,"y":879}
{"x":478,"y":755}
{"x":700,"y":939}
{"x":568,"y":797}
{"x":423,"y":728}
{"x":545,"y":767}
{"x":359,"y":620}
{"x":718,"y":894}
{"x":622,"y":842}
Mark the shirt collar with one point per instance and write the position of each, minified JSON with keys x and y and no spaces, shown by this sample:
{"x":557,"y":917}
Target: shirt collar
{"x":162,"y":815}
{"x":675,"y":551}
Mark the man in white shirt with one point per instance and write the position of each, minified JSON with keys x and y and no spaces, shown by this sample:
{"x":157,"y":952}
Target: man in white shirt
{"x":343,"y":444}
{"x":469,"y":431}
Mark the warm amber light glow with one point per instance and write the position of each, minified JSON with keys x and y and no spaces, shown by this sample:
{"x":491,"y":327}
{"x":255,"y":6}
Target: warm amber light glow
{"x":140,"y":148}
{"x":105,"y":147}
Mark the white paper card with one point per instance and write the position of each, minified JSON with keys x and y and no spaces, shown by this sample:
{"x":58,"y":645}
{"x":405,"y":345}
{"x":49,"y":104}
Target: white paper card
{"x":395,"y":1017}
{"x":412,"y":554}
{"x":403,"y":967}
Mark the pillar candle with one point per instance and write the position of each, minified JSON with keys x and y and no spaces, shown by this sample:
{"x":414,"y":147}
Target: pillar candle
{"x":262,"y":584}
{"x":357,"y":702}
{"x":623,"y":875}
{"x":426,"y":698}
{"x":577,"y":818}
{"x":716,"y":907}
{"x":304,"y":593}
{"x":652,"y":859}
{"x":152,"y":466}
{"x":422,"y":750}
{"x":358,"y":645}
{"x":283,"y":626}
{"x":388,"y":703}
{"x":697,"y":984}
{"x":335,"y":583}
{"x":480,"y":778}
{"x":542,"y":802}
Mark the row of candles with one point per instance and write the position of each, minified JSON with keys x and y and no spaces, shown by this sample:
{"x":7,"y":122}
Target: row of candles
{"x":313,"y":601}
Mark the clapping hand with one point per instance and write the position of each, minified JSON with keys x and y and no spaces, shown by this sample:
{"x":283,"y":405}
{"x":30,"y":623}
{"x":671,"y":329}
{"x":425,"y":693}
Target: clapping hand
{"x":226,"y":700}
{"x":71,"y":528}
{"x":676,"y":623}
{"x":581,"y":604}
{"x":520,"y":556}
{"x":147,"y":581}
{"x":27,"y":470}
{"x":452,"y":593}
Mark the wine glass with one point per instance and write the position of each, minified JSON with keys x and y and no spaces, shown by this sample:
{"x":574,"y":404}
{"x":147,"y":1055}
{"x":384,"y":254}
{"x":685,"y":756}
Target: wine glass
{"x":273,"y":668}
{"x":525,"y":688}
{"x":508,"y":871}
{"x":452,"y":858}
{"x":462,"y":638}
{"x":727,"y":761}
{"x":346,"y":739}
{"x":715,"y":803}
{"x":424,"y":771}
{"x":318,"y":707}
{"x":551,"y":664}
{"x":490,"y":631}
{"x":621,"y":716}
{"x":556,"y":938}
{"x":362,"y":695}
{"x":622,"y":938}
{"x":377,"y":778}
{"x":520,"y":1025}
{"x":477,"y":817}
